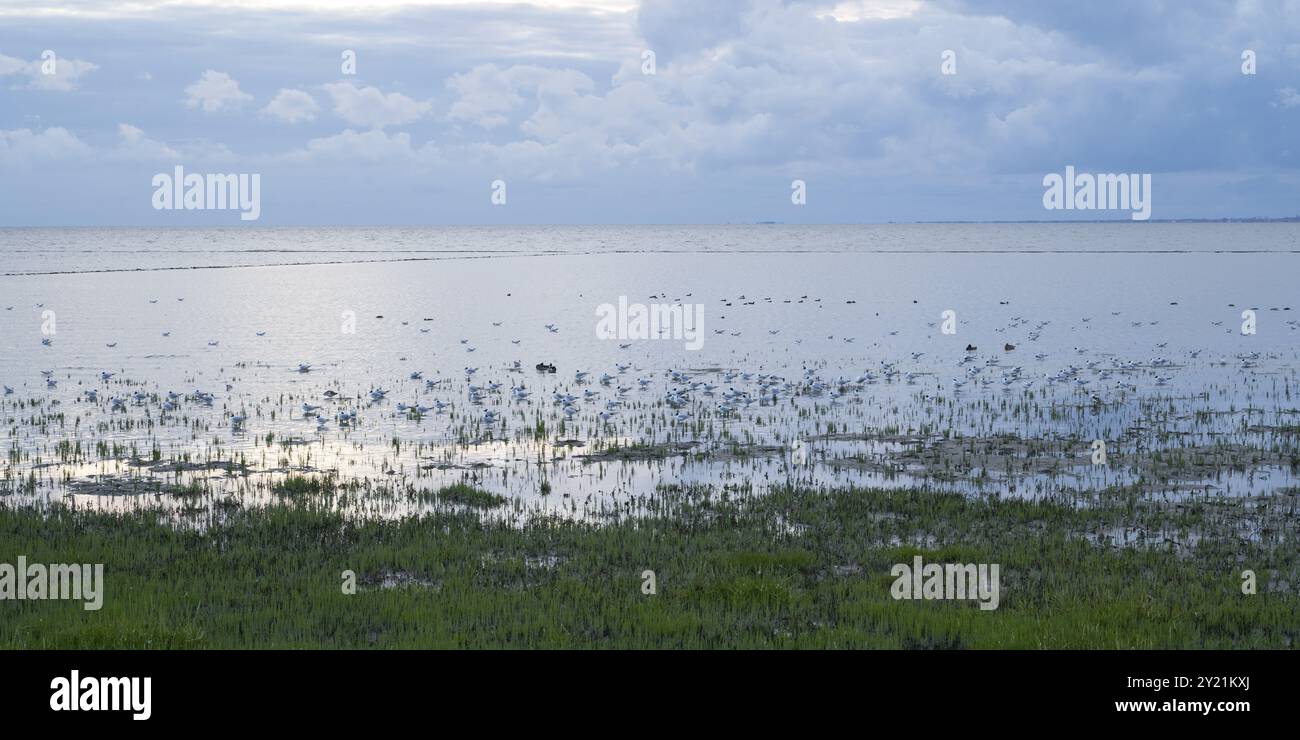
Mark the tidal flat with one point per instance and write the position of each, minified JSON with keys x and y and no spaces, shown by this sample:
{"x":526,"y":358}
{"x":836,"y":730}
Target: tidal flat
{"x":429,"y":443}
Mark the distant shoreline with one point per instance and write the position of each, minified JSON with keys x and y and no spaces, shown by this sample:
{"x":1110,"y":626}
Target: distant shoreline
{"x":259,"y":226}
{"x":1281,"y":220}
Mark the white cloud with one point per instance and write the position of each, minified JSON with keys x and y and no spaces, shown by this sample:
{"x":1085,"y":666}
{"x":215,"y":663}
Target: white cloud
{"x":215,"y":91}
{"x":54,"y":73}
{"x":370,"y":107}
{"x":133,"y":144}
{"x":23,"y":146}
{"x":10,"y":65}
{"x":488,"y":95}
{"x":1287,"y":97}
{"x":292,"y":106}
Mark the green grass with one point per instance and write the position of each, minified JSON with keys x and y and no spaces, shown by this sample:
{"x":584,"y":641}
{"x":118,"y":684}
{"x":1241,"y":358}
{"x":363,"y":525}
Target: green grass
{"x":467,"y":495}
{"x":794,"y":568}
{"x":298,"y":486}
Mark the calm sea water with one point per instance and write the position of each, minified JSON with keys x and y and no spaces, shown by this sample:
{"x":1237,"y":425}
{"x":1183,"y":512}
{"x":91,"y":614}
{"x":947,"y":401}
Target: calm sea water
{"x":1118,"y":329}
{"x":37,"y":250}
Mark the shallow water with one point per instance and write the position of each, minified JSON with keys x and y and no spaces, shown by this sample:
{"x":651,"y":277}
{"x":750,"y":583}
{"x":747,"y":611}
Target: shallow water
{"x":1140,"y":326}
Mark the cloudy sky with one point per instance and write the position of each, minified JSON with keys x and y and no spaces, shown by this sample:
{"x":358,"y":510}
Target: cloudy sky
{"x":552,"y":97}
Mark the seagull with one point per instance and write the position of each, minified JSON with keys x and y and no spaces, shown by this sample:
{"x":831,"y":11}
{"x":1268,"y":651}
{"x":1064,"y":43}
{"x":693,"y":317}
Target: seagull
{"x":304,"y":367}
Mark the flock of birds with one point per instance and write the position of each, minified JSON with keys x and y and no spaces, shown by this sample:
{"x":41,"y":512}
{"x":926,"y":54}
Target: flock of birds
{"x":684,"y":389}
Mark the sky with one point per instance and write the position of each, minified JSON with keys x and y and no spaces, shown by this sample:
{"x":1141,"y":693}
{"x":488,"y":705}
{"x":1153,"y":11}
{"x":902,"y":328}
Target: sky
{"x":885,"y":110}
